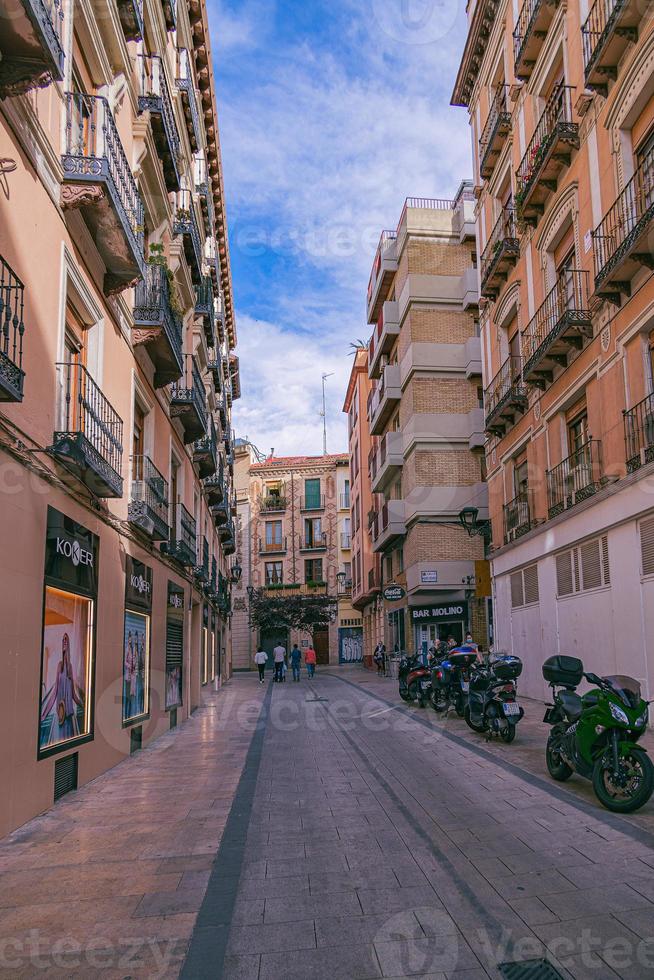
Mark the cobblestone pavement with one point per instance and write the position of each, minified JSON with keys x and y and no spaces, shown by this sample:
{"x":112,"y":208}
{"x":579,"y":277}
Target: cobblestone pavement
{"x":325,"y":831}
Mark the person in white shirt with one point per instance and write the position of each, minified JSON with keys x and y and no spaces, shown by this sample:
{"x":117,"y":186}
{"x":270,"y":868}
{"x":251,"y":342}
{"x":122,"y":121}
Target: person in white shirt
{"x":261,"y":659}
{"x":279,"y":656}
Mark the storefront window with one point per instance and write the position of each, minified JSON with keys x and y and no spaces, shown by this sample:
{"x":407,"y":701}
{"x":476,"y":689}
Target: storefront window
{"x":136,"y":641}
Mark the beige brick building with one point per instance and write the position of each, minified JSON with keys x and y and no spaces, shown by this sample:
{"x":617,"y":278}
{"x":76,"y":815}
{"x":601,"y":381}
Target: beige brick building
{"x":425,"y":421}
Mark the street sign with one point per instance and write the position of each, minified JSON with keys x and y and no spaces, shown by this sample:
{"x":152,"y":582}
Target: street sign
{"x":393,"y":593}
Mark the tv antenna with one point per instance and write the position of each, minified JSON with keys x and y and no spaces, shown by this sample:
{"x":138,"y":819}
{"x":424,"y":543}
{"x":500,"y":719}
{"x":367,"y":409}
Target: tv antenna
{"x":324,"y":414}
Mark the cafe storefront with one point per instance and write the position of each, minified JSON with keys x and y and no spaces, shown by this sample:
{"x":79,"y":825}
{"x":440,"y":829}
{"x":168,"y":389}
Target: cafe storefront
{"x":438,"y":621}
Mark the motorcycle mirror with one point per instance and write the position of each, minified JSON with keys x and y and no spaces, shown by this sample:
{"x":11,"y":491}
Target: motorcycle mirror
{"x":593,"y":679}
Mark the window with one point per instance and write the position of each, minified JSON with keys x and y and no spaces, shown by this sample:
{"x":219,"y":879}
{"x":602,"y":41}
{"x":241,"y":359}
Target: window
{"x":273,"y":532}
{"x":273,"y":491}
{"x":388,"y":568}
{"x":138,"y":435}
{"x":313,"y":532}
{"x":578,"y":432}
{"x":520,"y":475}
{"x":647,"y":546}
{"x":312,"y":493}
{"x":313,"y":570}
{"x":274,"y":573}
{"x":400,"y":559}
{"x":583,"y":568}
{"x":524,"y":587}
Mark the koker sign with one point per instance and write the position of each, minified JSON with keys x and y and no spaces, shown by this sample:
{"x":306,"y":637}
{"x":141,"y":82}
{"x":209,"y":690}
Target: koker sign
{"x":71,"y":554}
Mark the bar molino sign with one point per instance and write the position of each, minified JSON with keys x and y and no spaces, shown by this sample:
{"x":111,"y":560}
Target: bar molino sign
{"x":440,"y":610}
{"x":71,"y":554}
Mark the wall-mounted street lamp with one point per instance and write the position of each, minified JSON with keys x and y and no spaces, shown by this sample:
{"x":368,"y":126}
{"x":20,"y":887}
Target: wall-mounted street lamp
{"x":468,"y":518}
{"x":237,"y":571}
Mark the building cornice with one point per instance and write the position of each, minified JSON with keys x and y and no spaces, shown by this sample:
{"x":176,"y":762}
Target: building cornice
{"x":479,"y":34}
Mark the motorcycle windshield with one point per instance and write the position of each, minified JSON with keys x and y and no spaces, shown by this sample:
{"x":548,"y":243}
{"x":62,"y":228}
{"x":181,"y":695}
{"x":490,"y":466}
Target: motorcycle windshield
{"x":627,"y":689}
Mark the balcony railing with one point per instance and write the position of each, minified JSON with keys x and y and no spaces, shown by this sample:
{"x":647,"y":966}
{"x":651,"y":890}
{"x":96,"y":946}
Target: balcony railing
{"x":497,"y":128}
{"x":549,"y":150}
{"x":505,"y":397}
{"x":534,"y":20}
{"x":575,"y":478}
{"x":344,"y":588}
{"x":201,"y":570}
{"x":346,"y":540}
{"x":131,"y":19}
{"x":314,"y":501}
{"x":272,"y":504}
{"x":12,"y":328}
{"x":185,"y":223}
{"x":214,"y":485}
{"x":182,"y":544}
{"x":639,"y":434}
{"x":623,"y":241}
{"x":89,"y":440}
{"x":205,"y":451}
{"x":374,"y":581}
{"x":220,"y":512}
{"x":31,"y":47}
{"x":560,"y":324}
{"x":154,"y":97}
{"x":609,"y":29}
{"x":158,"y":325}
{"x":148,"y":506}
{"x":98,"y":181}
{"x":317,"y":542}
{"x":186,"y":86}
{"x":272,"y":547}
{"x":204,"y":308}
{"x":501,"y":253}
{"x":188,"y":401}
{"x":203,"y":190}
{"x":383,"y":269}
{"x":517,"y":517}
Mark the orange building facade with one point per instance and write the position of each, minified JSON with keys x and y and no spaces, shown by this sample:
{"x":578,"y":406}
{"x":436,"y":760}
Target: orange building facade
{"x":117,"y":376}
{"x":561,"y":104}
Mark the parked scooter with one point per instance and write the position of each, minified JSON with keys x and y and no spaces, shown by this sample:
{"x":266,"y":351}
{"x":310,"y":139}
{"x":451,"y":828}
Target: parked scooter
{"x":492,"y":707}
{"x":412,"y":676}
{"x":450,"y":679}
{"x":596,"y":734}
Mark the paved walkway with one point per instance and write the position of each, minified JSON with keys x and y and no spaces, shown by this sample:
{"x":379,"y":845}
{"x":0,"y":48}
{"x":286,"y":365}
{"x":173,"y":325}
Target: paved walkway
{"x":358,"y":839}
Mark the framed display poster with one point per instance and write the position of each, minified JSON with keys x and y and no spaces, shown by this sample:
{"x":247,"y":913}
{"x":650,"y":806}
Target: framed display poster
{"x":136,"y":641}
{"x":68,"y":635}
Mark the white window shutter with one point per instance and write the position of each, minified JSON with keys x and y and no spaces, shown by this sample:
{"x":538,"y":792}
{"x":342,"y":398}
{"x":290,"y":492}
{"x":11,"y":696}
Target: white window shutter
{"x":564,"y":582}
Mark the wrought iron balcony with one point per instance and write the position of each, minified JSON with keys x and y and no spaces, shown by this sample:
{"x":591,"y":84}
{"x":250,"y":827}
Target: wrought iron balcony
{"x":272,"y":503}
{"x":12,"y":328}
{"x":505,"y":398}
{"x":186,"y":86}
{"x":201,"y":570}
{"x":220,"y":512}
{"x":131,"y":19}
{"x":229,"y":543}
{"x":154,"y":97}
{"x":182,"y":545}
{"x":529,"y":35}
{"x":188,"y":401}
{"x":517,"y":517}
{"x":185,"y":223}
{"x":384,"y":268}
{"x":497,"y":128}
{"x":214,"y":366}
{"x":500,"y":255}
{"x":214,"y":485}
{"x":31,"y":48}
{"x":549,"y":151}
{"x":205,"y":451}
{"x":148,"y":506}
{"x":204,"y":308}
{"x":561,"y":324}
{"x":157,"y":325}
{"x":623,"y":241}
{"x":576,"y":478}
{"x":639,"y":434}
{"x":611,"y":26}
{"x":317,"y":542}
{"x":272,"y":547}
{"x":89,"y":439}
{"x":98,"y":181}
{"x":315,"y":501}
{"x":203,"y":190}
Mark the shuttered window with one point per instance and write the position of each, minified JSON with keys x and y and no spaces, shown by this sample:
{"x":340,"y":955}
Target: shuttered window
{"x":174,"y":662}
{"x":583,"y":568}
{"x":591,"y":565}
{"x":524,"y":586}
{"x":517,"y":592}
{"x":647,"y":545}
{"x":564,"y":581}
{"x":605,"y":560}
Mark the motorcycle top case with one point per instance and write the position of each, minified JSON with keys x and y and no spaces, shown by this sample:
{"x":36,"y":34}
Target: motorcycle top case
{"x":462,"y":658}
{"x":566,"y":671}
{"x":507,"y":668}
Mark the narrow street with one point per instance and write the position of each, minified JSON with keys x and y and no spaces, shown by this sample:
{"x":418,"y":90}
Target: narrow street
{"x":325,"y":830}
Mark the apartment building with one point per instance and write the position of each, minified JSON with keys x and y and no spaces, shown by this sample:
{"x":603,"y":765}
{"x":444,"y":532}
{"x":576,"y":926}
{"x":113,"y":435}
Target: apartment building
{"x":561,"y":104}
{"x":425,"y":417}
{"x":298,"y":542}
{"x":117,"y":376}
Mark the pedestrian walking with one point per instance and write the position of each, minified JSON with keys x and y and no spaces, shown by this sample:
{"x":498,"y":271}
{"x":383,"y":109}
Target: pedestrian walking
{"x":379,"y":657}
{"x":296,"y":662}
{"x":279,"y":655}
{"x":310,"y":661}
{"x":261,"y":659}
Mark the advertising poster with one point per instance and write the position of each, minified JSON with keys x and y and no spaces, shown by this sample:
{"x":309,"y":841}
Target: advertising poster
{"x":136,"y":663}
{"x":66,"y":672}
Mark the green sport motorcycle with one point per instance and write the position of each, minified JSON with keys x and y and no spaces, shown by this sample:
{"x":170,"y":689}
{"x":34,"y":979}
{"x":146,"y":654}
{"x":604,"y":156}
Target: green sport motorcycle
{"x":596,"y":734}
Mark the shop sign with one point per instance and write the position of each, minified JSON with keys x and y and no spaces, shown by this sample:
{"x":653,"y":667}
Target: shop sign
{"x":175,"y":598}
{"x":393,"y":593}
{"x":429,"y":577}
{"x":441,"y":610}
{"x":71,"y":554}
{"x":138,"y":584}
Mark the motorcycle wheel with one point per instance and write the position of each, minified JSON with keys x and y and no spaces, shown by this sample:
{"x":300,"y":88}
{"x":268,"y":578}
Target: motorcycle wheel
{"x":639,"y":777}
{"x":557,"y":768}
{"x":459,"y":706}
{"x":413,"y":692}
{"x":404,"y":694}
{"x":470,"y":723}
{"x":507,"y":734}
{"x":437,"y":703}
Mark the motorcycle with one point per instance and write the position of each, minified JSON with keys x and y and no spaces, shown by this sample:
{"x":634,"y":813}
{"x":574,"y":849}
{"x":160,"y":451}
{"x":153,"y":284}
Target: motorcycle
{"x":414,"y":679}
{"x":492,"y":707}
{"x":596,"y":734}
{"x":450,"y":679}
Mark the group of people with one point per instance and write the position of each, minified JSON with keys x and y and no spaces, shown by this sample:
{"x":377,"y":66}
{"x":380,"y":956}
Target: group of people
{"x":435,"y":652}
{"x":280,"y":662}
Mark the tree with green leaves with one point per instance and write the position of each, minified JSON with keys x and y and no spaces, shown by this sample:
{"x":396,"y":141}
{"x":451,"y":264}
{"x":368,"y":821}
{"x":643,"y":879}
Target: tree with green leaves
{"x":305,"y":613}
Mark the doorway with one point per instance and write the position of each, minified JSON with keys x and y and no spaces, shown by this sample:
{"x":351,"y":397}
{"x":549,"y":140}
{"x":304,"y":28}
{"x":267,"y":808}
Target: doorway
{"x":321,"y":646}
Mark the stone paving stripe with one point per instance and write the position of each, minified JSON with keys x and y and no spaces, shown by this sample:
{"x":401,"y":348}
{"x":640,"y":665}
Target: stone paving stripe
{"x":206,"y":953}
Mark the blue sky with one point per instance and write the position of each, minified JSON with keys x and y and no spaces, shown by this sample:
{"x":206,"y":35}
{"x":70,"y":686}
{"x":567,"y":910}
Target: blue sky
{"x":330,"y":115}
